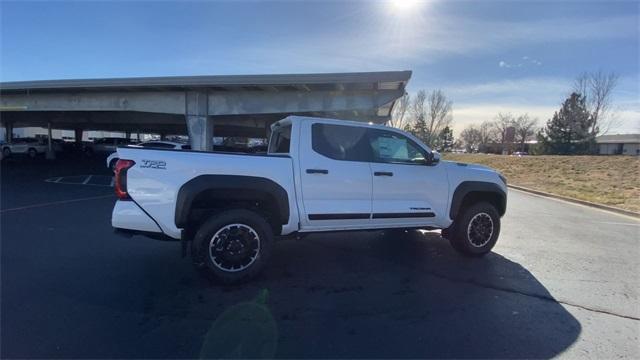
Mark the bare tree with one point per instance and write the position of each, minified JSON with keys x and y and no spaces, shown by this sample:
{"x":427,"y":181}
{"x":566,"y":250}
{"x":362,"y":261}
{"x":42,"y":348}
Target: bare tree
{"x":525,"y":128}
{"x":597,"y":88}
{"x":399,"y":116}
{"x":501,"y":125}
{"x":486,"y":133}
{"x":439,"y":115}
{"x":430,"y":113}
{"x":471,"y":138}
{"x":418,"y":110}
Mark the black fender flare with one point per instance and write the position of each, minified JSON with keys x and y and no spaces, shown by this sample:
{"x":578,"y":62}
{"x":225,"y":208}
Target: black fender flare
{"x":467,"y":187}
{"x":231,"y":187}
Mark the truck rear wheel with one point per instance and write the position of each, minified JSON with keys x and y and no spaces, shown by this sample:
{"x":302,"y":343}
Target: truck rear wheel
{"x":476,"y":229}
{"x":232,"y":246}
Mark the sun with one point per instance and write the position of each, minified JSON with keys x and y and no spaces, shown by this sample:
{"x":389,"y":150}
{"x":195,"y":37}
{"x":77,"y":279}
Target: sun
{"x":404,"y":5}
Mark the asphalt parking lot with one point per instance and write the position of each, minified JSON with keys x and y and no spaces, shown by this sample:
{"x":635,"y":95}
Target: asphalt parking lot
{"x":562,"y":281}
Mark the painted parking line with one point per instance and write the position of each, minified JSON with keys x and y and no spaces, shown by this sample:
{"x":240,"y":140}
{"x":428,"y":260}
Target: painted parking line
{"x":55,"y":203}
{"x":84,"y":180}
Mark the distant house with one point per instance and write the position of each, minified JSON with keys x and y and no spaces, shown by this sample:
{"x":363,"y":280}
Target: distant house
{"x":625,"y":144}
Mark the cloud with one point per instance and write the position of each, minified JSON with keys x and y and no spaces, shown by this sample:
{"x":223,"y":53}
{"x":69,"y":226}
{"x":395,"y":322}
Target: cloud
{"x":527,"y":62}
{"x":523,"y":90}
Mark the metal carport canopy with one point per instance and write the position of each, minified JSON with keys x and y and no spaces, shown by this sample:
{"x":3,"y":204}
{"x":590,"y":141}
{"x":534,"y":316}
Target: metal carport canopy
{"x":241,"y":105}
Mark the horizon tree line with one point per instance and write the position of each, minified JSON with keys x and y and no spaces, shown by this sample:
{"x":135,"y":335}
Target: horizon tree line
{"x":586,"y":113}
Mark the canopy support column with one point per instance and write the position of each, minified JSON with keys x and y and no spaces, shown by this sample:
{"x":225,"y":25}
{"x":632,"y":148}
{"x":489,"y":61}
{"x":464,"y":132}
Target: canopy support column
{"x":8,"y":134}
{"x":78,"y":135}
{"x":50,"y":153}
{"x":199,"y":124}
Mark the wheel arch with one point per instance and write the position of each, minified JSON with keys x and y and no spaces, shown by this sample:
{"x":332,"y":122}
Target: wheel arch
{"x":475,"y":191}
{"x":219,"y":192}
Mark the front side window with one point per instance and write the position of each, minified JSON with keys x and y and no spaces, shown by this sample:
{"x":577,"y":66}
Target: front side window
{"x":341,"y":142}
{"x":391,"y":147}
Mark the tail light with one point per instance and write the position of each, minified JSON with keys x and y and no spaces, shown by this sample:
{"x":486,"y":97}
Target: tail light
{"x":121,"y":178}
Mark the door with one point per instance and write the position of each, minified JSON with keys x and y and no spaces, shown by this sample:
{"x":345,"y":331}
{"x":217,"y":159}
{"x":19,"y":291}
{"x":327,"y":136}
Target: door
{"x":335,"y":176}
{"x":20,"y":146}
{"x":406,"y":190}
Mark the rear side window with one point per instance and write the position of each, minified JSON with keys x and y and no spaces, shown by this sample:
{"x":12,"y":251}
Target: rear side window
{"x":280,"y":140}
{"x":341,"y":142}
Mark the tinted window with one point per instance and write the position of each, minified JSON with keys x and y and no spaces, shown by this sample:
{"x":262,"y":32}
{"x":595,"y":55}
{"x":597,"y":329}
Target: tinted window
{"x":341,"y":142}
{"x":280,"y":140}
{"x":158,"y":145}
{"x":391,"y":147}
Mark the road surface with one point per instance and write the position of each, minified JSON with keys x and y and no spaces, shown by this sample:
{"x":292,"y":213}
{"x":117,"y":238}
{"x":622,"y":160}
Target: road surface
{"x":562,"y":281}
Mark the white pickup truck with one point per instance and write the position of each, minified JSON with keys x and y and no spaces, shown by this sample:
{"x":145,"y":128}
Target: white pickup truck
{"x":318,"y":175}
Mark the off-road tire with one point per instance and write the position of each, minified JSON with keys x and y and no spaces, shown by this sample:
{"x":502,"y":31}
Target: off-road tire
{"x":463,"y":236}
{"x":203,"y":260}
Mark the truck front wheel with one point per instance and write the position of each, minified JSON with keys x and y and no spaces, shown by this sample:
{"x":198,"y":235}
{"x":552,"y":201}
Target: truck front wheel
{"x":232,"y":246}
{"x":475,"y":230}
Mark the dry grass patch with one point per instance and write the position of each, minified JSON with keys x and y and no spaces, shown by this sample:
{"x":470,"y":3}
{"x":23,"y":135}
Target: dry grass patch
{"x":609,"y":180}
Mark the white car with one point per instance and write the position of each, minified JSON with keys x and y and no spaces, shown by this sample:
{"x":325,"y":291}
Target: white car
{"x":29,"y":146}
{"x":318,"y":175}
{"x":113,"y":158}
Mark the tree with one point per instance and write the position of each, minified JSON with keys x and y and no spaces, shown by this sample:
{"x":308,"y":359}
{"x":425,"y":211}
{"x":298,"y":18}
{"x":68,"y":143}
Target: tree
{"x":431,"y":113}
{"x":399,"y":116}
{"x":501,"y":125}
{"x":418,"y":110}
{"x":597,"y":89}
{"x":569,"y":131}
{"x":439,"y":116}
{"x":486,"y":135}
{"x":445,"y":140}
{"x":524,"y":129}
{"x":471,"y":138}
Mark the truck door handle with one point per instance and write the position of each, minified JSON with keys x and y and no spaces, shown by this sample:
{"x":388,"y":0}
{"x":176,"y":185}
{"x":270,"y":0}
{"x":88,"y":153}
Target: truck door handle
{"x":383,"y":173}
{"x":317,"y":171}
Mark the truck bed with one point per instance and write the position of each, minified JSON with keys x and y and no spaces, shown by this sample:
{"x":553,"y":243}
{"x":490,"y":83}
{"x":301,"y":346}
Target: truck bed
{"x":155,"y":179}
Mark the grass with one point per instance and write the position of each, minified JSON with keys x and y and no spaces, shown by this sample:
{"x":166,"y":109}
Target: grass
{"x":609,"y":180}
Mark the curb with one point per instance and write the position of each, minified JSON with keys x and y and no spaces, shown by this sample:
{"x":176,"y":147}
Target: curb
{"x":576,"y":201}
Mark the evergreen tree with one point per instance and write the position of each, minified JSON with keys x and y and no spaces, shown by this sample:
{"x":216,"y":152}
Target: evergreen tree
{"x":420,"y":129}
{"x":445,"y":140}
{"x":568,"y":132}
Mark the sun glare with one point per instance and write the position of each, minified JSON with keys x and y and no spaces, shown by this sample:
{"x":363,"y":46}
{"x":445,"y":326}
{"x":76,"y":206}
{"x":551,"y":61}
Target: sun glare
{"x":404,"y":5}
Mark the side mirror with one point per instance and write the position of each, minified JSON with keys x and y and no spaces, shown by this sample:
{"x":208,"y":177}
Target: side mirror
{"x":434,"y":158}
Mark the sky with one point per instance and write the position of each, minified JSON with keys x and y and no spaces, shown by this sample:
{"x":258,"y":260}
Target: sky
{"x":487,"y":56}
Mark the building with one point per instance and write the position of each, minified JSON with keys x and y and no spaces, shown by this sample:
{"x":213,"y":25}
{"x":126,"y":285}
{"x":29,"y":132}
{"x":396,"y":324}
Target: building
{"x":202,"y":107}
{"x":623,"y":144}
